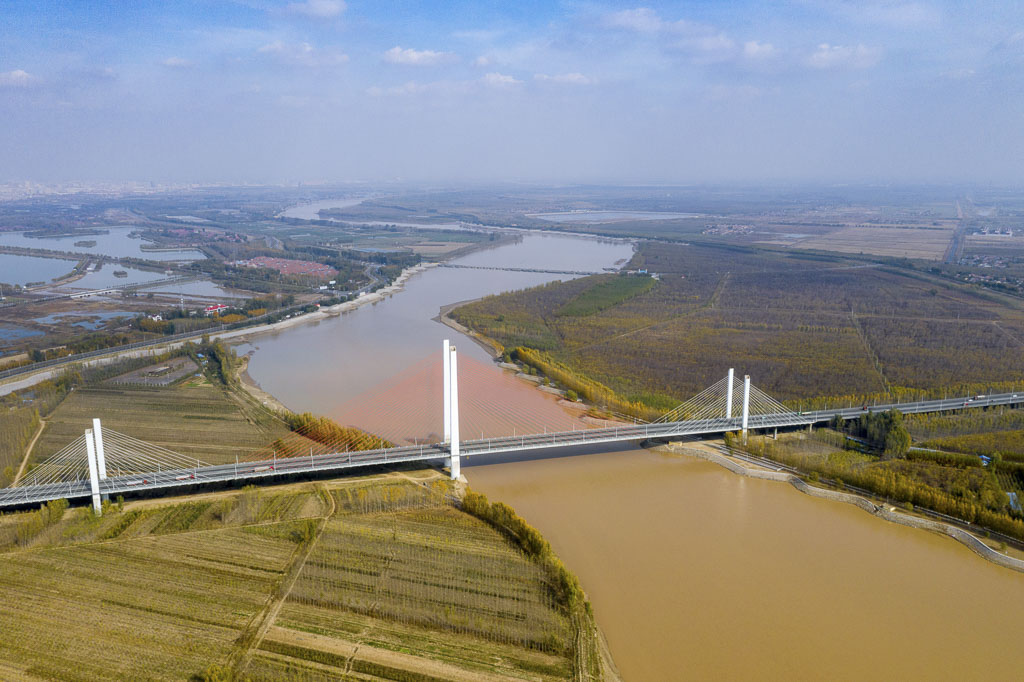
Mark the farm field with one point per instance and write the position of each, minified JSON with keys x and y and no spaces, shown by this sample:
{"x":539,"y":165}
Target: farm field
{"x":925,"y":243}
{"x":198,"y":419}
{"x":802,"y":326}
{"x":361,"y":579}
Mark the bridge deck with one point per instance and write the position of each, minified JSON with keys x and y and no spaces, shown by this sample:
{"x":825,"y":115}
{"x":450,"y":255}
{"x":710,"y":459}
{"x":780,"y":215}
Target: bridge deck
{"x":169,"y":480}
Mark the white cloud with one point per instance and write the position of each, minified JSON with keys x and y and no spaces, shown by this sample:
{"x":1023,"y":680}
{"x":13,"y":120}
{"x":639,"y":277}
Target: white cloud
{"x":707,"y":47}
{"x":176,"y":62}
{"x":892,"y":13}
{"x":318,"y":9}
{"x":303,"y":54}
{"x":640,"y":19}
{"x":483,"y":60}
{"x":15,"y":79}
{"x":704,"y":43}
{"x":844,"y":57}
{"x":411,"y":57}
{"x":566,"y":78}
{"x":753,"y":49}
{"x":500,"y":80}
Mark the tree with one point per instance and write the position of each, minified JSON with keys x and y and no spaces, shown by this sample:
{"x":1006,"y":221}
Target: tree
{"x":897,"y":441}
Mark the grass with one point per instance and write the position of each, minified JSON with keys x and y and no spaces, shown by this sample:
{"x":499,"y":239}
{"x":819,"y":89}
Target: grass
{"x":607,"y":293}
{"x":17,"y":427}
{"x":151,"y":607}
{"x":400,"y":585}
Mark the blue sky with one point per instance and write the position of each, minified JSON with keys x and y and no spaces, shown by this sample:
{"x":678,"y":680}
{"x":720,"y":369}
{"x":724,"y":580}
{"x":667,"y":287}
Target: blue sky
{"x":674,"y":92}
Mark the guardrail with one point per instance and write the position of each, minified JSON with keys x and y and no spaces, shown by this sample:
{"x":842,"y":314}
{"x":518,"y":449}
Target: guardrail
{"x":160,"y":480}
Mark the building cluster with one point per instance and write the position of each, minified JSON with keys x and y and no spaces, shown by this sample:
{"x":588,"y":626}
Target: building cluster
{"x":287,"y":266}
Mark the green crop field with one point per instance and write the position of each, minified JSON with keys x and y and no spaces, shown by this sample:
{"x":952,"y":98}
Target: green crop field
{"x":369,"y":580}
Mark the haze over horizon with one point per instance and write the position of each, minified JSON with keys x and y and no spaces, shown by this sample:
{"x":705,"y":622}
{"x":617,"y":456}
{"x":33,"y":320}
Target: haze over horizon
{"x":659,"y":92}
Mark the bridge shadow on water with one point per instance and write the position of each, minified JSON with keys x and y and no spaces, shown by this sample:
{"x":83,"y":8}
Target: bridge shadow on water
{"x":580,"y":451}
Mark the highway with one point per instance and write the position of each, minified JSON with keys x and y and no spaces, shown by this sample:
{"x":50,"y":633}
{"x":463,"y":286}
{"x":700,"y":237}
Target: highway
{"x":169,"y":480}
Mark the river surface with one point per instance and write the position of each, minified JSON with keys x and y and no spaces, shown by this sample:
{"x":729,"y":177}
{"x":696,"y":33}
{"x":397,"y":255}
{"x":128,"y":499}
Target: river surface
{"x":24,"y":269}
{"x":116,"y":243}
{"x":693,"y":572}
{"x":609,"y":216}
{"x":311,"y":211}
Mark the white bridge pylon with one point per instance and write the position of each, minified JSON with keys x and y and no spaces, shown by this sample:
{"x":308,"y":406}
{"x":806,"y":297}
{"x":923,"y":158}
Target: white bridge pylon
{"x":451,"y":407}
{"x":727,"y":398}
{"x":100,"y":453}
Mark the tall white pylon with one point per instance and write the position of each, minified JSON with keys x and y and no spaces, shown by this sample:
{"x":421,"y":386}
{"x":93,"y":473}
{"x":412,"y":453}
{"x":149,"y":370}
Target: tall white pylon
{"x":728,"y":394}
{"x":94,"y":478}
{"x":453,"y":463}
{"x":447,"y":374}
{"x":746,"y":404}
{"x":101,"y":459}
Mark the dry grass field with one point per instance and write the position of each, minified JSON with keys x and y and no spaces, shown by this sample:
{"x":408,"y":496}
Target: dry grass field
{"x":802,"y":326}
{"x":378,"y":579}
{"x":197,"y":419}
{"x":925,"y":243}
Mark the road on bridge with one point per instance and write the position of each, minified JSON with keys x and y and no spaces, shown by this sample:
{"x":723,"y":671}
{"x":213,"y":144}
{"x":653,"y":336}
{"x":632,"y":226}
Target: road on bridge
{"x":30,"y":495}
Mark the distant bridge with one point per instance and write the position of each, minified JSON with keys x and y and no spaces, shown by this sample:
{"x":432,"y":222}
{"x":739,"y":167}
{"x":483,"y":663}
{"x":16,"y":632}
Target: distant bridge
{"x":493,"y":267}
{"x":103,"y":463}
{"x":114,"y":288}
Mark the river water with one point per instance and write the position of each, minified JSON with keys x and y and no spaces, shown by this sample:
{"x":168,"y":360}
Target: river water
{"x":114,"y":242}
{"x":694,"y":572}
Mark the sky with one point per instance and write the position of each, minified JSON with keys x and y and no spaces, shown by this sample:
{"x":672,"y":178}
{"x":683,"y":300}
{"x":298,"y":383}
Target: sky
{"x":707,"y":91}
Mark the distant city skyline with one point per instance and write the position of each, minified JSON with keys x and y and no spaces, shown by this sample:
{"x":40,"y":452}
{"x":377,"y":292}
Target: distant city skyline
{"x":256,"y":91}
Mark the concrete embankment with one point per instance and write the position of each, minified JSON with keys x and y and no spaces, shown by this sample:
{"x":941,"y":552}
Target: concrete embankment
{"x":882,"y":511}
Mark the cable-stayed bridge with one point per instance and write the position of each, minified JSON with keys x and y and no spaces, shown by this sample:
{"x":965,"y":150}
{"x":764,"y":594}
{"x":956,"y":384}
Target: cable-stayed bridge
{"x":103,"y":463}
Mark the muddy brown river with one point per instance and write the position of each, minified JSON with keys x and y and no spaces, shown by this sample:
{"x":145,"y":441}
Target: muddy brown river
{"x":693,"y":572}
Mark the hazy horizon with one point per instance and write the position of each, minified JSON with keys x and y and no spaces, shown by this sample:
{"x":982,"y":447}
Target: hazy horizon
{"x":806,"y":91}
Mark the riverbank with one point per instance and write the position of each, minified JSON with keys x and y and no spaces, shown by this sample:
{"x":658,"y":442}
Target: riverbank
{"x":445,"y":318}
{"x":23,"y":381}
{"x":885,"y":512}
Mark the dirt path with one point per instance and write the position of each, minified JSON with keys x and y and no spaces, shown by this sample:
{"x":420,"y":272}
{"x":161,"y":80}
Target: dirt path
{"x":273,"y":608}
{"x":28,"y":452}
{"x":386,"y":657}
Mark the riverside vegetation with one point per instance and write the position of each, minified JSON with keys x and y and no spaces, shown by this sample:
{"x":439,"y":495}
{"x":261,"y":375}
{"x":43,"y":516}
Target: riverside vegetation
{"x":815,"y":330}
{"x":362,"y":579}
